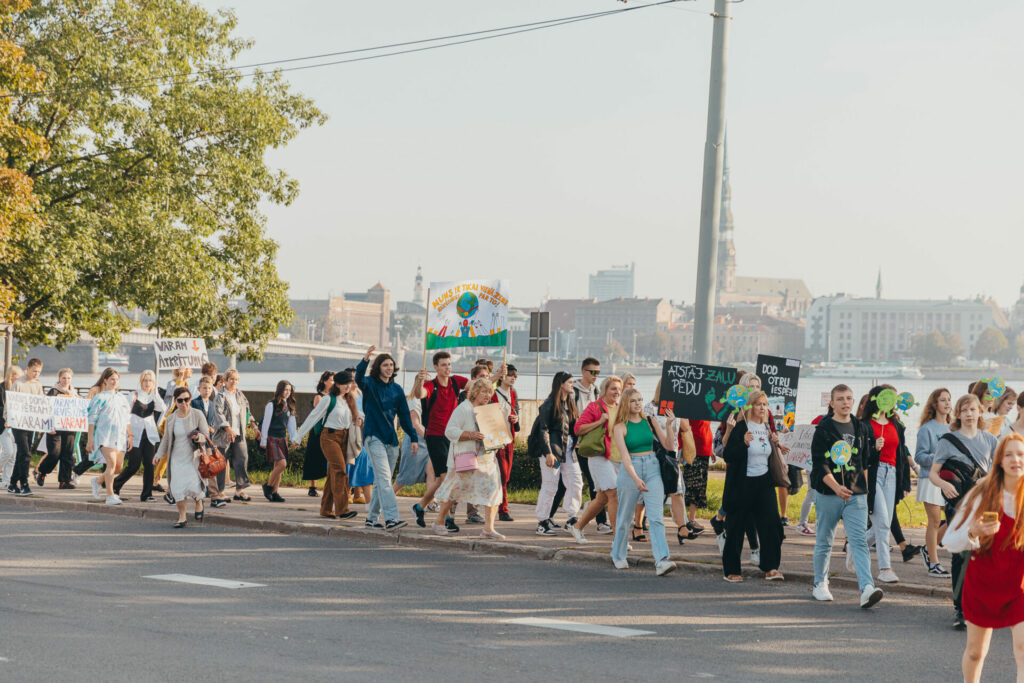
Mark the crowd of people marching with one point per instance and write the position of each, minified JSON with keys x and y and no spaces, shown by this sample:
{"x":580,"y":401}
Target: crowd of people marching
{"x":593,"y":432}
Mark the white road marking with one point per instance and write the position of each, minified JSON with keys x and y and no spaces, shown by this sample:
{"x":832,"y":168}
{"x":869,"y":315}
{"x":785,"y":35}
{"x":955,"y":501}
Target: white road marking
{"x":204,"y":581}
{"x":562,"y":625}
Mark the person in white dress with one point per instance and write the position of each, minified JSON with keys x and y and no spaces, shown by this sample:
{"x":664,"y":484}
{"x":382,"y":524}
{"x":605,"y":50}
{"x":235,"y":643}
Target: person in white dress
{"x":184,"y":427}
{"x":109,"y":433}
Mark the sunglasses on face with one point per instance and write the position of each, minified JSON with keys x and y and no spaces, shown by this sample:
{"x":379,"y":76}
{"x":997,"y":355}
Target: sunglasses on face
{"x":595,"y":373}
{"x":183,"y":399}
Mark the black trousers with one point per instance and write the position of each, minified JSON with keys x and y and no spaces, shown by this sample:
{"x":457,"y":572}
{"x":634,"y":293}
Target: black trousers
{"x":142,"y":455}
{"x":23,"y":459}
{"x":602,"y":516}
{"x":756,"y":504}
{"x":60,"y":448}
{"x":896,"y":530}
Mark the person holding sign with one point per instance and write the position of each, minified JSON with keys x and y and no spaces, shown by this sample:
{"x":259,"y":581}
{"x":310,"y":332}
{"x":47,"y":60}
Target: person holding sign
{"x":604,"y":467}
{"x":109,"y":433}
{"x":989,"y":524}
{"x":640,"y":476}
{"x":840,"y":454}
{"x":29,"y":384}
{"x":60,"y":446}
{"x":475,"y":478}
{"x":749,"y":493}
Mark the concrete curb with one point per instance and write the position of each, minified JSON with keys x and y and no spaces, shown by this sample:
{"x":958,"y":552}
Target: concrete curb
{"x":464,"y":544}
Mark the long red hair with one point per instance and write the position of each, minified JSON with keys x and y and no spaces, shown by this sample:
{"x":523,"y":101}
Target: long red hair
{"x":989,"y":492}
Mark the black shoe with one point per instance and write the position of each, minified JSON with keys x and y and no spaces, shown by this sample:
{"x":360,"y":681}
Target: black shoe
{"x":910,"y":551}
{"x":168,"y":498}
{"x":267,"y":491}
{"x":67,"y":485}
{"x":373,"y":525}
{"x":40,"y":478}
{"x":505,"y":517}
{"x":546,"y":528}
{"x":313,"y":493}
{"x":695,"y":530}
{"x":147,"y":499}
{"x":218,"y":503}
{"x":181,"y":525}
{"x":718,"y":525}
{"x":12,"y":489}
{"x":25,"y":490}
{"x":680,"y":536}
{"x":418,"y":512}
{"x":348,"y":515}
{"x":958,"y":622}
{"x":569,"y":525}
{"x":450,"y":525}
{"x":275,"y":497}
{"x":394,"y":525}
{"x":199,"y":515}
{"x":474,"y":519}
{"x":158,"y":488}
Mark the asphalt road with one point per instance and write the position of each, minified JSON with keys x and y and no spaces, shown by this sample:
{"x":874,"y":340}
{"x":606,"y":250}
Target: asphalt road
{"x":75,"y":606}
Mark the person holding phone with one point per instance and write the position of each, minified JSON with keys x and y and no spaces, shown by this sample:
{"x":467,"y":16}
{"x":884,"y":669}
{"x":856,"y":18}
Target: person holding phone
{"x":990,"y":524}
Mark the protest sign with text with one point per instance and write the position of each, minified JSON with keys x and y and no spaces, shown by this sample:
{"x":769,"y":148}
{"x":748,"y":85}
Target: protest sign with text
{"x":70,"y":414}
{"x":173,"y":353}
{"x":30,"y":412}
{"x":469,"y":313}
{"x":799,"y":443}
{"x":779,"y":380}
{"x":696,"y":392}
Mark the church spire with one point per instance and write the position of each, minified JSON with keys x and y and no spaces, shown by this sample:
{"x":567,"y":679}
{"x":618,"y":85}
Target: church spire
{"x":417,"y":290}
{"x":878,"y":285}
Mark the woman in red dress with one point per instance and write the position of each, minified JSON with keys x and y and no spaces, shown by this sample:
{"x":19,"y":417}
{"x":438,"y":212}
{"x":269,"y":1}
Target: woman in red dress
{"x":990,"y":524}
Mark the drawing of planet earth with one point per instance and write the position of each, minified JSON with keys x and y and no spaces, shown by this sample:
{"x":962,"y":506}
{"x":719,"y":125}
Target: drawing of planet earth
{"x":467,"y":305}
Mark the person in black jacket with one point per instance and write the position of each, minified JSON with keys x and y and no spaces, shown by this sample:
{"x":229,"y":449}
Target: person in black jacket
{"x":749,"y":493}
{"x":840,"y":481}
{"x":551,"y":442}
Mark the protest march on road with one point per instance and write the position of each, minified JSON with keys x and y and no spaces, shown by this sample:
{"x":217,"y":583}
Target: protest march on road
{"x":631,"y":453}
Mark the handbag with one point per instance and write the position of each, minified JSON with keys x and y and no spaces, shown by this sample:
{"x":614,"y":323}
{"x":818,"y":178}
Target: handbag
{"x":668,"y":464}
{"x":354,"y":444}
{"x":592,"y":444}
{"x":777,"y":468}
{"x":963,"y":477}
{"x":211,"y":461}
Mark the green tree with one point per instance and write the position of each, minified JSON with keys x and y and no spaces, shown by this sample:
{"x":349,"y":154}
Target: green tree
{"x":931,"y":348}
{"x":991,"y":345}
{"x":955,"y":344}
{"x":614,"y":351}
{"x":152,"y":188}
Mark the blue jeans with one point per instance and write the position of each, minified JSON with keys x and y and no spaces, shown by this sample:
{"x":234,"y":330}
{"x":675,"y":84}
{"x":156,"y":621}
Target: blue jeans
{"x":382,"y":458}
{"x":854,"y":513}
{"x":649,"y":471}
{"x":881,"y":515}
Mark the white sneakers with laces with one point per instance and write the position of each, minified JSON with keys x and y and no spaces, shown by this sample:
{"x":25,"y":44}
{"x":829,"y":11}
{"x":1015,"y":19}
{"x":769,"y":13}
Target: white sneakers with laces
{"x":870,"y":596}
{"x":664,"y":567}
{"x":620,"y":564}
{"x":96,"y":488}
{"x":821,"y":592}
{"x":578,"y":535}
{"x":113,"y":500}
{"x":888,"y":576}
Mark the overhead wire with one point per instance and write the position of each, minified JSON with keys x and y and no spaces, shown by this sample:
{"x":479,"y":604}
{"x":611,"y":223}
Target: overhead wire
{"x":207,"y":75}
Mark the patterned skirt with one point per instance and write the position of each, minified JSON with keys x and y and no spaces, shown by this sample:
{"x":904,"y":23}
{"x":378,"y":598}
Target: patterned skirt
{"x":277,"y":448}
{"x":695,"y":477}
{"x":481,"y":486}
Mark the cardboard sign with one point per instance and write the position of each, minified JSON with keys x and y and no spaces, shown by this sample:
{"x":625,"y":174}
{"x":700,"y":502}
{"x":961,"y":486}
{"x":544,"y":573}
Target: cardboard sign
{"x":779,"y":380}
{"x":696,"y":392}
{"x":799,"y":443}
{"x":30,"y":412}
{"x":173,"y":353}
{"x":491,"y":420}
{"x":468,"y":313}
{"x":70,"y":414}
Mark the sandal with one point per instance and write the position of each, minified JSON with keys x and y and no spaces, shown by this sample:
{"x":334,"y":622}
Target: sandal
{"x":733,"y":578}
{"x":680,"y":537}
{"x":242,"y":497}
{"x":774,"y":575}
{"x":641,"y":536}
{"x":199,"y":515}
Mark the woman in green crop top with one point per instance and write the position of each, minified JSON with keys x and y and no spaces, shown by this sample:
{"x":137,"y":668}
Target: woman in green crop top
{"x":640,"y":475}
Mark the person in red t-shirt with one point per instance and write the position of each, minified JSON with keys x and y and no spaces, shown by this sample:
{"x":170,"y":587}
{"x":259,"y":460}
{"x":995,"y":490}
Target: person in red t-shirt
{"x":440,"y":396}
{"x":695,"y":476}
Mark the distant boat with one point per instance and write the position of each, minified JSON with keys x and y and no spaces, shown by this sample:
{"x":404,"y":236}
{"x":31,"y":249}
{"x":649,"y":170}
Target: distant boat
{"x":863,"y":370}
{"x":113,"y":360}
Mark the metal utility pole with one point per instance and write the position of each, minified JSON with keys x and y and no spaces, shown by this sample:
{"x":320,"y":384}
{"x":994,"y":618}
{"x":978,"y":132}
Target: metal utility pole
{"x":711,"y":195}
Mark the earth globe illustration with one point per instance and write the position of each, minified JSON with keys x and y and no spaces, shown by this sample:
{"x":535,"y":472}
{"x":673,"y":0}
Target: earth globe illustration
{"x":467,"y":305}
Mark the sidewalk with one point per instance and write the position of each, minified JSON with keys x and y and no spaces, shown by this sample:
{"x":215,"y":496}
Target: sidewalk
{"x":300,"y":514}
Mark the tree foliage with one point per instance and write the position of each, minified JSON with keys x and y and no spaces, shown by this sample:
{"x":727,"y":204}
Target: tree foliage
{"x":991,"y":345}
{"x":151,"y":191}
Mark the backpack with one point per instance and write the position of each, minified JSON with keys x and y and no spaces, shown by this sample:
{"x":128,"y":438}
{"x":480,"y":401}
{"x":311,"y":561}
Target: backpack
{"x":963,"y":477}
{"x":319,"y":426}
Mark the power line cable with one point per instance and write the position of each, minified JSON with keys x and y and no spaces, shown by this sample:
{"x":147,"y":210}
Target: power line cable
{"x":206,"y":75}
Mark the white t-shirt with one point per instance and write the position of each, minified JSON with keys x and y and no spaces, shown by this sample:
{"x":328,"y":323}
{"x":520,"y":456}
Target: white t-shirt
{"x":758,"y":450}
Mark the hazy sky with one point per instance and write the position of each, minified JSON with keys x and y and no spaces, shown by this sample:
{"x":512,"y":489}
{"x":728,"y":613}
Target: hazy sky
{"x":861,"y":135}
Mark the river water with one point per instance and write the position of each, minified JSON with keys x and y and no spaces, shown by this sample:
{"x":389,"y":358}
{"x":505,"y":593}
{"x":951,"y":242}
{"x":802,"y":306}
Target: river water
{"x":809,"y":398}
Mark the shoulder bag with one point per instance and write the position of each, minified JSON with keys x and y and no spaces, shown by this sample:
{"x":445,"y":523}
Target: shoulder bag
{"x":668,"y":463}
{"x":963,"y":477}
{"x":777,"y":467}
{"x":211,"y":461}
{"x":592,"y":444}
{"x":319,"y":426}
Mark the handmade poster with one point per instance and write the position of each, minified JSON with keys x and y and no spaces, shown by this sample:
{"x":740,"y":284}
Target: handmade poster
{"x":779,"y":380}
{"x":173,"y":353}
{"x":491,"y":421}
{"x":799,"y":442}
{"x":70,"y":414}
{"x":30,"y":412}
{"x":696,"y":392}
{"x":469,"y":313}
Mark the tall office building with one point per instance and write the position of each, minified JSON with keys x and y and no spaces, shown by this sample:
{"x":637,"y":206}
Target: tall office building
{"x":613,"y":283}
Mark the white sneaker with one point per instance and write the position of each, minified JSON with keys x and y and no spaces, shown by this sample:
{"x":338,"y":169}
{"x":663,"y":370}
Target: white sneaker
{"x":578,"y":535}
{"x":721,"y":542}
{"x":755,"y":557}
{"x":620,"y":564}
{"x":605,"y":529}
{"x":870,"y":596}
{"x":664,"y":567}
{"x":888,"y":576}
{"x":113,"y":500}
{"x":439,"y":529}
{"x":821,"y":592}
{"x":74,"y":479}
{"x":96,"y":488}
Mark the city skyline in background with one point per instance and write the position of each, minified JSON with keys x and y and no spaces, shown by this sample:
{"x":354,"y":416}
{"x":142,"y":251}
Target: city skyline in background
{"x":587,"y":139}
